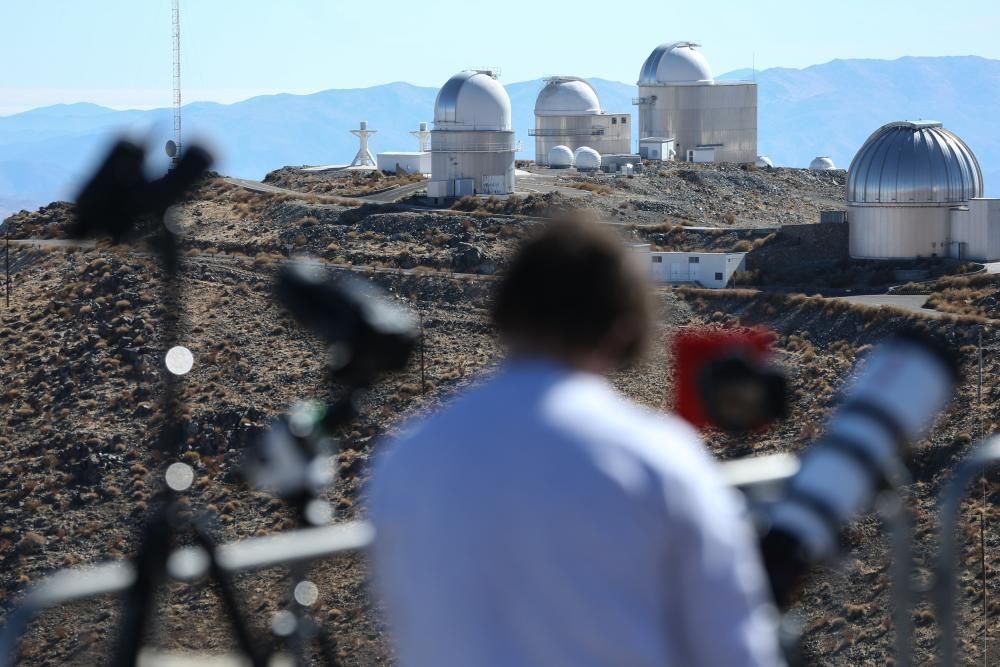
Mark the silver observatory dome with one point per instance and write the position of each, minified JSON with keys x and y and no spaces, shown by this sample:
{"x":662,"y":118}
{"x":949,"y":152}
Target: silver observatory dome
{"x":913,"y":163}
{"x":675,"y":63}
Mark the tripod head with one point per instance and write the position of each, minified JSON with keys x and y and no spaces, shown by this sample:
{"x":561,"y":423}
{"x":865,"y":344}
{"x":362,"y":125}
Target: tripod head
{"x":120,"y":202}
{"x":368,"y":335}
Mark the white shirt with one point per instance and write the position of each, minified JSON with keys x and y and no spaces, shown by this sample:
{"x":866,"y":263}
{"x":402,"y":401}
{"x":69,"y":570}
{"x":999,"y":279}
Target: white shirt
{"x":542,"y":519}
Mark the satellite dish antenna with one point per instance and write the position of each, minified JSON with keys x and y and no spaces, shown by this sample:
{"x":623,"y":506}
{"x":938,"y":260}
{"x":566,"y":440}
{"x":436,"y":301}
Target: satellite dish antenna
{"x":171,"y":148}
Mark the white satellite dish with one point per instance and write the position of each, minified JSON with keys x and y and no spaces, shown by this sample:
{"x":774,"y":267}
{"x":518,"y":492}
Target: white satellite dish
{"x":171,"y":148}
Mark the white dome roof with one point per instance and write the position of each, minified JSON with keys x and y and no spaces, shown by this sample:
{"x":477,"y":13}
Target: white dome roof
{"x":560,"y":157}
{"x":472,"y":100}
{"x":567,"y":96}
{"x":587,"y":159}
{"x":822,"y":163}
{"x":764,"y":161}
{"x":675,"y":63}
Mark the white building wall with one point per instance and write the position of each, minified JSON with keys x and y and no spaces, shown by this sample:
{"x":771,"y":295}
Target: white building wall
{"x":657,"y":150}
{"x":703,"y":114}
{"x":709,"y":269}
{"x":487,"y":158}
{"x":606,"y":133}
{"x":899,"y":232}
{"x":412,"y":163}
{"x":975,"y":230}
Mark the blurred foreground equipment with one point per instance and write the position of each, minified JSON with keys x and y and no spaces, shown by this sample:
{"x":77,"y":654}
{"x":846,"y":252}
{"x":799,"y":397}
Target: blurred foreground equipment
{"x":803,"y":502}
{"x":120,"y":202}
{"x":367,"y":335}
{"x":724,"y":378}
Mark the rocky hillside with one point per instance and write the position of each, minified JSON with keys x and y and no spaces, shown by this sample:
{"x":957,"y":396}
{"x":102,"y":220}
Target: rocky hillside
{"x":79,"y":353}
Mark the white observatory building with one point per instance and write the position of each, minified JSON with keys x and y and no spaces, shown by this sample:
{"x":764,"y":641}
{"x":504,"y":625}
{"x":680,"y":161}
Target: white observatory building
{"x":914,"y":189}
{"x":410,"y":162}
{"x":822,"y":163}
{"x":680,"y":101}
{"x":568,"y":113}
{"x":472,"y":143}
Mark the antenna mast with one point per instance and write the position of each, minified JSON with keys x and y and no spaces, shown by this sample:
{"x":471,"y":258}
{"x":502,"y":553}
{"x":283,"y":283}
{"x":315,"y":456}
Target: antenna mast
{"x":177,"y":77}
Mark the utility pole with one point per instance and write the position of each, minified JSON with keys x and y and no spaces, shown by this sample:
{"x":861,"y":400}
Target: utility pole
{"x":423,"y":379}
{"x":982,"y":514}
{"x":7,"y":261}
{"x":979,"y":387}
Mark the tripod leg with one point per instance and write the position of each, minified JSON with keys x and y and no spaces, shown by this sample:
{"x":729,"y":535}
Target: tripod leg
{"x":328,"y":646}
{"x":230,"y":598}
{"x":150,"y":565}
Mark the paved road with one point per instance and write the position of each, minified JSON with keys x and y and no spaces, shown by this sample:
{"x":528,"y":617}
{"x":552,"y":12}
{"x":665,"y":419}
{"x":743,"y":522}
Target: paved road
{"x":386,"y":197}
{"x":911,"y":302}
{"x":257,"y":186}
{"x":394,"y":194}
{"x":53,"y":243}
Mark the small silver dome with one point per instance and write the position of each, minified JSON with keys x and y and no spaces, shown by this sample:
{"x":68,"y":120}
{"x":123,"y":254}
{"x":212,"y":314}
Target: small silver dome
{"x":560,"y":157}
{"x":822,"y":163}
{"x":913,"y":162}
{"x":586,"y":159}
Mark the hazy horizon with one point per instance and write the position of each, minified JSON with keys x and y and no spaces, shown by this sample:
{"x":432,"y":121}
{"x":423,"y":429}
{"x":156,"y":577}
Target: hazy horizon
{"x":233,"y":51}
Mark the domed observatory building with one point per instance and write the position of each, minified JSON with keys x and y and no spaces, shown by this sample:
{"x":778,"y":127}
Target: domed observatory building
{"x":472,"y":143}
{"x":822,"y":163}
{"x":679,"y":100}
{"x":914,"y":189}
{"x":568,"y":113}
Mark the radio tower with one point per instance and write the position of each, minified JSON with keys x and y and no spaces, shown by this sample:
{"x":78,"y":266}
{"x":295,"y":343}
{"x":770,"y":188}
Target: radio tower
{"x":364,"y":158}
{"x":177,"y":82}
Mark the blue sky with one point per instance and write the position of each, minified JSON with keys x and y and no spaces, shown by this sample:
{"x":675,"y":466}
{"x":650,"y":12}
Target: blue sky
{"x":118,"y":52}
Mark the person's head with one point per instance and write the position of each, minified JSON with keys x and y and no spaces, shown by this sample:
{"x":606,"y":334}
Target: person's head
{"x":572,"y":293}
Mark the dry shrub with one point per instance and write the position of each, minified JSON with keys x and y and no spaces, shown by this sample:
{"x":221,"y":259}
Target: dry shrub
{"x":595,"y":188}
{"x":30,"y":543}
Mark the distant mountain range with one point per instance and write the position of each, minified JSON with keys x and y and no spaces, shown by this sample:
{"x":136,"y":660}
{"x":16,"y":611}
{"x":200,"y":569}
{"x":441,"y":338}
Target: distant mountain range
{"x":827,"y":109}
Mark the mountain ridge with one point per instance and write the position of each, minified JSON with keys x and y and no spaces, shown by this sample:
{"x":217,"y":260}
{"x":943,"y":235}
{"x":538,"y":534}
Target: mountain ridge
{"x":824,"y":109}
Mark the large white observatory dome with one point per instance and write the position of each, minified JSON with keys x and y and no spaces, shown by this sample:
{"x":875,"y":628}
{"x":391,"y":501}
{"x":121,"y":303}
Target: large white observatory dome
{"x":587,"y":159}
{"x":676,"y":63}
{"x":822,"y":163}
{"x":567,"y":96}
{"x":472,"y":100}
{"x":914,"y":163}
{"x":560,"y":157}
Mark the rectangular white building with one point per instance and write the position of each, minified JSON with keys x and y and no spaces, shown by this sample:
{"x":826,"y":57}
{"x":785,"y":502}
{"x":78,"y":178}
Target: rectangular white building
{"x":411,"y":163}
{"x":707,"y":269}
{"x":657,"y":148}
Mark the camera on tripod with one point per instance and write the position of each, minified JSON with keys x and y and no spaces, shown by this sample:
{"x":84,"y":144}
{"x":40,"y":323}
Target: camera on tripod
{"x":367,"y":335}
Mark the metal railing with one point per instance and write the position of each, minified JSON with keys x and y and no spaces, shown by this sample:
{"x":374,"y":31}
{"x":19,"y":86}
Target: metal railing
{"x":187,"y":564}
{"x":760,"y":479}
{"x":488,"y":147}
{"x":575,"y":132}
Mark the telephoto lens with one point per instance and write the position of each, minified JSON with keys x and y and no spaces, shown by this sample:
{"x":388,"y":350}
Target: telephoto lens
{"x":369,"y":334}
{"x":891,"y":403}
